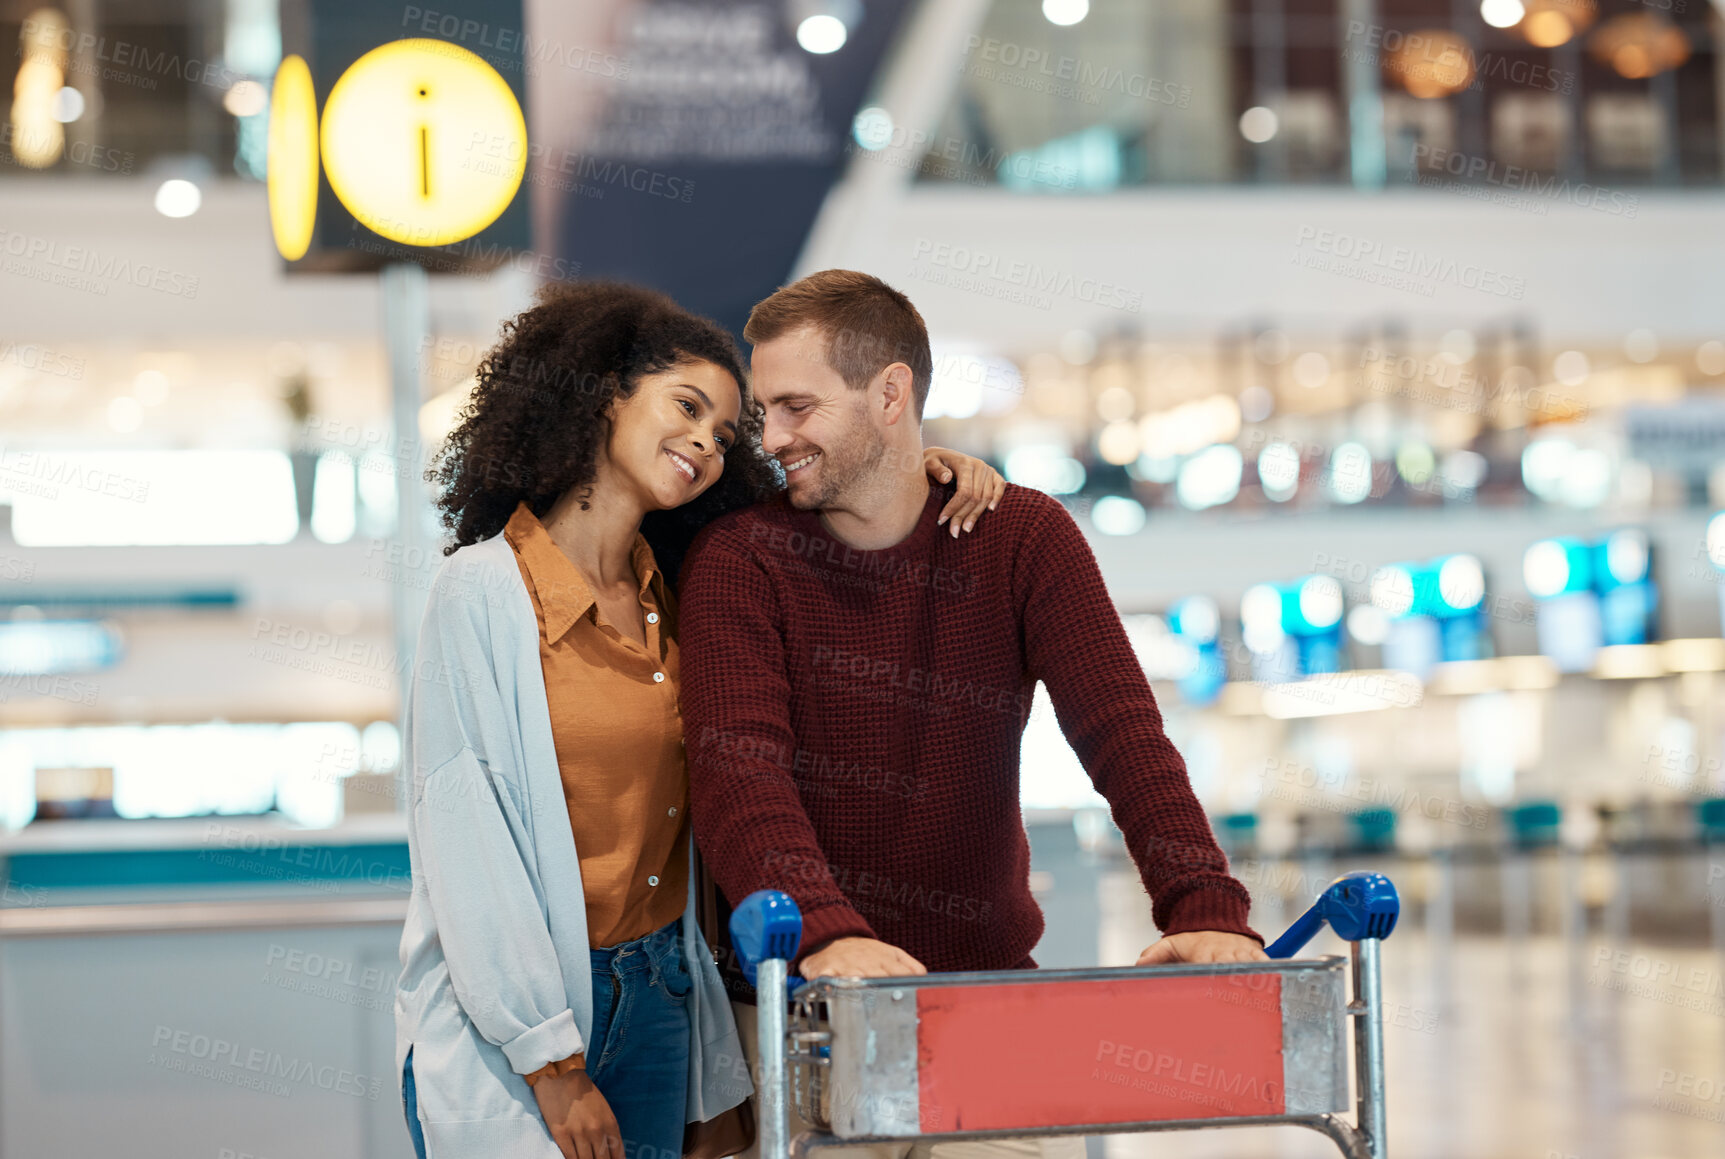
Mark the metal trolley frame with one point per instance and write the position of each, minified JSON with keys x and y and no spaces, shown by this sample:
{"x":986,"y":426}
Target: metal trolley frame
{"x":1015,"y":1054}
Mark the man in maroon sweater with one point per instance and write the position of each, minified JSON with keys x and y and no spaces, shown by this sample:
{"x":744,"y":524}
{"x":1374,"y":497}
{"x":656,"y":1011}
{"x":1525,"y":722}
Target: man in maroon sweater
{"x":856,"y":681}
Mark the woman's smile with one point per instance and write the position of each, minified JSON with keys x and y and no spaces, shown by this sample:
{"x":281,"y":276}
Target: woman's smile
{"x":684,"y":464}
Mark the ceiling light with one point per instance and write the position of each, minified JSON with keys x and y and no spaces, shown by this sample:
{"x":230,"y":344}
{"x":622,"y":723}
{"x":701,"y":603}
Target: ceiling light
{"x":821,"y":34}
{"x":1065,"y":12}
{"x":178,"y":197}
{"x":1501,"y":13}
{"x":246,"y":99}
{"x":1258,"y":124}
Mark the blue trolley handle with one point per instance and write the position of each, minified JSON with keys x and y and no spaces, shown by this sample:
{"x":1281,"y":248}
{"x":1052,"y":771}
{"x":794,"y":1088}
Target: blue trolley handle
{"x":768,"y":925}
{"x":766,"y":930}
{"x":1362,"y":908}
{"x":1356,"y":905}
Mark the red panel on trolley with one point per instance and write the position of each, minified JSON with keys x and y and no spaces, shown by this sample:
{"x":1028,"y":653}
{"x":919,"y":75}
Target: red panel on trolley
{"x":1054,"y":1054}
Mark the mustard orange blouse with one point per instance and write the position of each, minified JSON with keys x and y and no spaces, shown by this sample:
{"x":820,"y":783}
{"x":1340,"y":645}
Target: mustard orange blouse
{"x":618,"y":734}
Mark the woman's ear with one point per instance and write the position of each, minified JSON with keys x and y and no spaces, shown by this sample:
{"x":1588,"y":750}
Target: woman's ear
{"x":615,"y":402}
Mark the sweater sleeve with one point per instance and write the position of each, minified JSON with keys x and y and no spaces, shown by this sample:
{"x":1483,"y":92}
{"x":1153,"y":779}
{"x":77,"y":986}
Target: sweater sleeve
{"x":1075,"y":644}
{"x":503,"y":966}
{"x":748,"y":820}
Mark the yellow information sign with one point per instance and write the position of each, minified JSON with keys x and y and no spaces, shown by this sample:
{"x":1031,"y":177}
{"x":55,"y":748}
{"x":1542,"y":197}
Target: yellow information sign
{"x":411,"y":137}
{"x":292,"y":164}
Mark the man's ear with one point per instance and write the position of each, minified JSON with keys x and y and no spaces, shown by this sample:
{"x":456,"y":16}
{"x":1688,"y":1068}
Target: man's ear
{"x":898,"y":393}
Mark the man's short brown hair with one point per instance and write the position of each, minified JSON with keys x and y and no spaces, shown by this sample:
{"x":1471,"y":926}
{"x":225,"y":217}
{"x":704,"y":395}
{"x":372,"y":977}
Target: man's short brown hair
{"x":867,"y":324}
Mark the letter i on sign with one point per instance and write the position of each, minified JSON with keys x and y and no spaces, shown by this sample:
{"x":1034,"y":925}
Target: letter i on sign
{"x":424,"y":154}
{"x":389,"y":141}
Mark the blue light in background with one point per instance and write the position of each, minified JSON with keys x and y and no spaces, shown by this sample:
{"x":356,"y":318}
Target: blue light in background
{"x":1434,"y":611}
{"x":1198,"y":621}
{"x":1592,"y":594}
{"x":1554,"y":566}
{"x":1294,"y":626}
{"x":50,"y":647}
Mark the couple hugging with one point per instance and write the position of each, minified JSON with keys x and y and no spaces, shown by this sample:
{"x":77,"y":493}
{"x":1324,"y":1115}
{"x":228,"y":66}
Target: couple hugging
{"x":750,"y":609}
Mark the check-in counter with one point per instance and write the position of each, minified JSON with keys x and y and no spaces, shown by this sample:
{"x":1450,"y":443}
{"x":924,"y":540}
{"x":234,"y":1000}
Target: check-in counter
{"x":201,"y":989}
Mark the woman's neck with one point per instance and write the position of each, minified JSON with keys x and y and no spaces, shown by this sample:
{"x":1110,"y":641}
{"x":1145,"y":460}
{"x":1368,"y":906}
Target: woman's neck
{"x":601,"y":539}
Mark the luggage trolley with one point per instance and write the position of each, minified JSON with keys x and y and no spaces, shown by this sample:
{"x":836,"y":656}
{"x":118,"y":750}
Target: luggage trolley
{"x":1019,"y":1053}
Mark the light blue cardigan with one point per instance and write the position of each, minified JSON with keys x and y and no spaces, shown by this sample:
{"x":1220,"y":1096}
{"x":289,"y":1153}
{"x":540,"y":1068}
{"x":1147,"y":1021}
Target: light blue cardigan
{"x":494,"y":969}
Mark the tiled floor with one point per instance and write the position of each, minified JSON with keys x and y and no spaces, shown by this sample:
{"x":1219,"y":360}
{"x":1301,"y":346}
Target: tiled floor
{"x":1496,"y":1050}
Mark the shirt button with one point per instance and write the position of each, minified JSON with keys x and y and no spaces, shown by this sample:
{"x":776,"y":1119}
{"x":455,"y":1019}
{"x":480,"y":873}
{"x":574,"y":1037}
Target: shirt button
{"x":673,"y":812}
{"x":654,"y":880}
{"x":652,"y":617}
{"x":658,"y":678}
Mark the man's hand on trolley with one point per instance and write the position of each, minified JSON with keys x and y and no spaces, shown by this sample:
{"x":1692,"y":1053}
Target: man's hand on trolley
{"x":1203,"y":946}
{"x":859,"y":958}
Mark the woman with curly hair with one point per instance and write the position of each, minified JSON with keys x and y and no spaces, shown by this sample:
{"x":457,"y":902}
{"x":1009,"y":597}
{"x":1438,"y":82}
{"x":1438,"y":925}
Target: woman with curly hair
{"x":556,"y":995}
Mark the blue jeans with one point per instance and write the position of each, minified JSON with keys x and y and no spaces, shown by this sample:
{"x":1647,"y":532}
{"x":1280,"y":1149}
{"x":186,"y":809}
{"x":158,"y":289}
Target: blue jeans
{"x":638,"y":1051}
{"x":410,"y":1104}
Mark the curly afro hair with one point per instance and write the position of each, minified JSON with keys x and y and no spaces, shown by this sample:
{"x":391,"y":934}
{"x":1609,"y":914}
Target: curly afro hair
{"x":536,"y":421}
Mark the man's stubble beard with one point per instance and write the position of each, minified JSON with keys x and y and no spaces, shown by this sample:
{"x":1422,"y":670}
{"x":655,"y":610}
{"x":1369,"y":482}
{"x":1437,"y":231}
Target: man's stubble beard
{"x":845,"y":474}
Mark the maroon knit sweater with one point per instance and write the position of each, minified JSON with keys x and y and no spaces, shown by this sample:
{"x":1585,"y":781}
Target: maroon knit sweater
{"x":853,"y":721}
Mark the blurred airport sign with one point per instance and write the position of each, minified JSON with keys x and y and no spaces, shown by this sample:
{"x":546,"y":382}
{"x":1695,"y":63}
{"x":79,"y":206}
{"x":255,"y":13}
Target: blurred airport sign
{"x":420,"y":147}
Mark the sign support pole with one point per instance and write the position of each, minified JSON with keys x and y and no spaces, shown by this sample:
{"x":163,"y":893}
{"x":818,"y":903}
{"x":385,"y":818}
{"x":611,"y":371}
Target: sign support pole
{"x":406,"y":322}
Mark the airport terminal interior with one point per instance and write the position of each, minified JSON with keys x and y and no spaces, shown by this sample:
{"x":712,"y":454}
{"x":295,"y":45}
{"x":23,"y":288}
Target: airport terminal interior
{"x":1377,"y":348}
